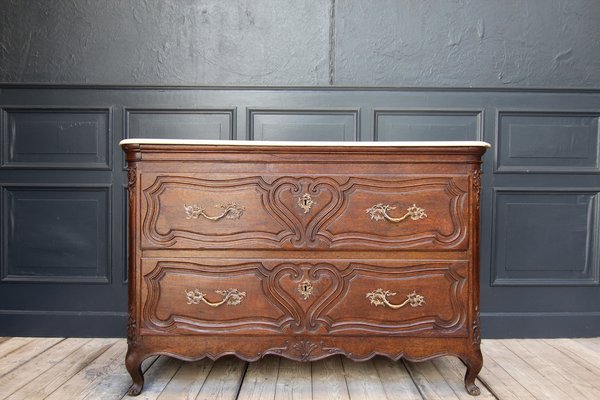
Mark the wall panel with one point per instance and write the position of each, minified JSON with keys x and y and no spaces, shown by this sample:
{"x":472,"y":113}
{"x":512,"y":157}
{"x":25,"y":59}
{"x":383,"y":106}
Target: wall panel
{"x":315,"y":125}
{"x":181,"y":123}
{"x":550,"y":142}
{"x":427,"y":125}
{"x":60,"y":138}
{"x":56,"y":234}
{"x":545,"y":237}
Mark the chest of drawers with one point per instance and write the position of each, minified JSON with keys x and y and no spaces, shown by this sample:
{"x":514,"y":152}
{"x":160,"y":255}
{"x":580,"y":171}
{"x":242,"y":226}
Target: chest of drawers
{"x":303,"y":250}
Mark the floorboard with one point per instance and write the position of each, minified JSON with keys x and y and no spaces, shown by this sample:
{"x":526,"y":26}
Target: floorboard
{"x":187,"y":381}
{"x":396,"y":379}
{"x":224,"y":380}
{"x":90,"y":369}
{"x":329,"y":380}
{"x":37,"y":365}
{"x":293,"y":381}
{"x":56,"y":376}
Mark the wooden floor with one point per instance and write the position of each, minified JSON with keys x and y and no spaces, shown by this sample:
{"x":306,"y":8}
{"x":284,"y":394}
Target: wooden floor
{"x":65,"y":369}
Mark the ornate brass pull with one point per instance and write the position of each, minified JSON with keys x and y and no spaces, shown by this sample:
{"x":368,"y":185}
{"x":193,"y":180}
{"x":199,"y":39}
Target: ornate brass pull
{"x":379,"y":297}
{"x":230,"y":211}
{"x":379,"y":212}
{"x":231,"y":297}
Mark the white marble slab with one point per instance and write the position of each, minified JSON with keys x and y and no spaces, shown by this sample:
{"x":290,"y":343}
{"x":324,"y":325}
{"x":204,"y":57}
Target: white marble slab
{"x":300,"y":143}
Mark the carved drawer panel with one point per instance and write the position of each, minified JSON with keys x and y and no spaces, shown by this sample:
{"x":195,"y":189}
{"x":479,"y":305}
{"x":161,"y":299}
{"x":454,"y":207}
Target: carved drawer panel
{"x":189,"y":297}
{"x":338,"y":298}
{"x":430,"y":299}
{"x":401,"y":213}
{"x":193,"y":212}
{"x":316,"y":212}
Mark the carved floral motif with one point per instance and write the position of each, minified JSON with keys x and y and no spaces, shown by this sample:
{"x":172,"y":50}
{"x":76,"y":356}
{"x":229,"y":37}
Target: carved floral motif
{"x":477,"y":186}
{"x":304,"y":350}
{"x":476,"y":327}
{"x":131,"y":177}
{"x":131,"y":328}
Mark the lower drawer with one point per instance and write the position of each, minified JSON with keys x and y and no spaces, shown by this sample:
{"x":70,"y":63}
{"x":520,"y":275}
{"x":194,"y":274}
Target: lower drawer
{"x":212,"y":296}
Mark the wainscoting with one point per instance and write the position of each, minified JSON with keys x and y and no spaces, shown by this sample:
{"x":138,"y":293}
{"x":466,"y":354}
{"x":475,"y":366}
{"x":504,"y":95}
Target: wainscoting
{"x":62,"y":184}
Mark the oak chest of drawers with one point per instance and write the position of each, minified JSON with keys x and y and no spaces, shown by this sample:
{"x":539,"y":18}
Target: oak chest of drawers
{"x":303,"y":250}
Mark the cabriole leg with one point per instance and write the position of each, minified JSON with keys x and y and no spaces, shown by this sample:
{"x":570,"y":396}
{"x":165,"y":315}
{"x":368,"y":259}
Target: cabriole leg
{"x":474,"y":363}
{"x":133,"y":363}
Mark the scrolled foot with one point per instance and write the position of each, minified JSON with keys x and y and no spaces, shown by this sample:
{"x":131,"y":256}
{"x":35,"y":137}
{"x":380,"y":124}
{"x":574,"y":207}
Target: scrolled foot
{"x":472,"y":389}
{"x":135,"y":389}
{"x":474,"y":363}
{"x":133,"y":363}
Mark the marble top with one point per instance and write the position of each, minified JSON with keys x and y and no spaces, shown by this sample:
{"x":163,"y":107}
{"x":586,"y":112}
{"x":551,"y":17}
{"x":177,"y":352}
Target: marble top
{"x":301,"y":143}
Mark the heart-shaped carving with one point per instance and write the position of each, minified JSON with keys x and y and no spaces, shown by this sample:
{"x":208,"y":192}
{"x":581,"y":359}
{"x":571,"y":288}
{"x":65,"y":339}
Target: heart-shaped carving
{"x":286,"y":285}
{"x":303,"y":203}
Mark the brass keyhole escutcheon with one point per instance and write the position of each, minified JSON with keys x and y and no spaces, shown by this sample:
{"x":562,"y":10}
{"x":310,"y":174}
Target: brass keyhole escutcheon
{"x":305,"y":289}
{"x":305,"y":202}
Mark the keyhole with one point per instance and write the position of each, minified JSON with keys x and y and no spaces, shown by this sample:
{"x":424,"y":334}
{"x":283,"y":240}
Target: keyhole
{"x":305,"y":202}
{"x":305,"y":287}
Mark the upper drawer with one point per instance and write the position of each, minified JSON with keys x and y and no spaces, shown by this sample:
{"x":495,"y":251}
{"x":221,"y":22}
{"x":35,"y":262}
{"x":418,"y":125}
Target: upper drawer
{"x":317,"y":212}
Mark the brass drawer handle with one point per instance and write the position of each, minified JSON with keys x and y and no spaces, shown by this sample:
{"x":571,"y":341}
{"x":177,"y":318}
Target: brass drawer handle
{"x":231,"y":297}
{"x":230,"y":211}
{"x":379,"y":212}
{"x":379,"y":297}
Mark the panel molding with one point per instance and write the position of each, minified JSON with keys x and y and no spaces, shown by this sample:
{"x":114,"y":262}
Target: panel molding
{"x":508,"y":169}
{"x":477,"y":113}
{"x":593,"y":278}
{"x":5,"y":163}
{"x":252,"y":112}
{"x":231,"y":112}
{"x":6,"y":277}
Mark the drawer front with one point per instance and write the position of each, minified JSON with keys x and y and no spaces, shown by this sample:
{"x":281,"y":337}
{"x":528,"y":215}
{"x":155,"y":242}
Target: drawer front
{"x":210,"y":297}
{"x":428,"y":299}
{"x":296,"y":297}
{"x":316,"y":212}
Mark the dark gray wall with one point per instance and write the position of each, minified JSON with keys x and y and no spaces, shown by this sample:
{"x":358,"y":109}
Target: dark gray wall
{"x":516,"y":43}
